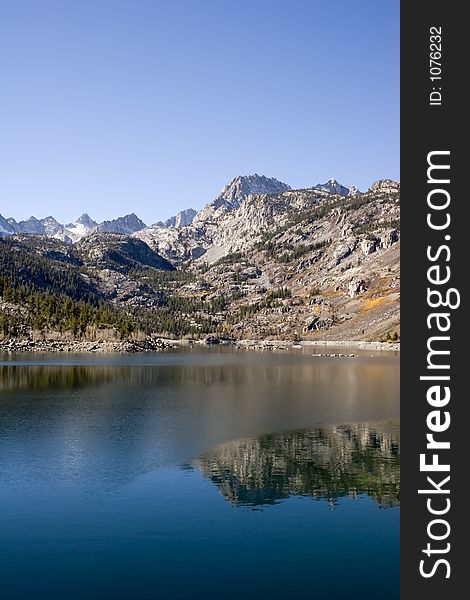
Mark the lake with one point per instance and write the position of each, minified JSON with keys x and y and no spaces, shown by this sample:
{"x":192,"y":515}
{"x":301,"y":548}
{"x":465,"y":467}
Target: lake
{"x":199,"y":473}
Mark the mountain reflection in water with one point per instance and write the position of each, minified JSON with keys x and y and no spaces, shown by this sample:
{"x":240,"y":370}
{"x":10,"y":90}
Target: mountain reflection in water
{"x":325,"y":463}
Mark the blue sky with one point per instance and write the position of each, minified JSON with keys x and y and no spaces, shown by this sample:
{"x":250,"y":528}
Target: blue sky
{"x":151,"y":106}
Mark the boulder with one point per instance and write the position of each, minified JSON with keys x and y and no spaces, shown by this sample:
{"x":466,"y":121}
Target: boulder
{"x":368,"y":246}
{"x":356,"y":286}
{"x":388,"y":238}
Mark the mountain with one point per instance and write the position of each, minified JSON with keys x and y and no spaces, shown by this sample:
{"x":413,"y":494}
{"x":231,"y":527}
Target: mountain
{"x":127,"y":225}
{"x":246,"y":206}
{"x":31,"y":225}
{"x":6,"y":227}
{"x":119,"y":252}
{"x":230,"y":198}
{"x":95,"y":268}
{"x":236,"y":191}
{"x":311,"y":263}
{"x":182,"y":219}
{"x":103,"y":287}
{"x":241,"y":186}
{"x":385,"y":186}
{"x":192,"y":240}
{"x":334,"y":187}
{"x":82,"y":226}
{"x":48,"y":226}
{"x":72,"y":232}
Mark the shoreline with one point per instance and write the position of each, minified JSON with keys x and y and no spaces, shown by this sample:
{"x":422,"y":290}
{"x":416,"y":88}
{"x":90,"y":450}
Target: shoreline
{"x":358,"y":345}
{"x":13,"y":346}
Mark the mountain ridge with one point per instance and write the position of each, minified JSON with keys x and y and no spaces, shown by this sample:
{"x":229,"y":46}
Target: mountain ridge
{"x":229,"y":199}
{"x":294,"y":264}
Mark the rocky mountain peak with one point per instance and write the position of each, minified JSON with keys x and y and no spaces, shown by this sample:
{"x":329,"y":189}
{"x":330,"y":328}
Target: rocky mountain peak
{"x":334,"y":187}
{"x":182,"y":219}
{"x":86,"y":221}
{"x":75,"y":231}
{"x":236,"y":191}
{"x":127,"y":224}
{"x":242,"y":186}
{"x":6,"y":227}
{"x":50,"y":226}
{"x":386,"y":186}
{"x":31,"y":225}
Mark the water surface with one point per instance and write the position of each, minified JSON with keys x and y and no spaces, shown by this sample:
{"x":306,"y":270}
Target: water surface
{"x":199,"y":474}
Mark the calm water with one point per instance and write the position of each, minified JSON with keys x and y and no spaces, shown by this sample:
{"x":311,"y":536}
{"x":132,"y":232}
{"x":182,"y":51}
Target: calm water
{"x":199,"y":474}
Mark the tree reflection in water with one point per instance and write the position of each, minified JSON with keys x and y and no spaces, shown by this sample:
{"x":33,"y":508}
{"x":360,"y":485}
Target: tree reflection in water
{"x":327,"y":463}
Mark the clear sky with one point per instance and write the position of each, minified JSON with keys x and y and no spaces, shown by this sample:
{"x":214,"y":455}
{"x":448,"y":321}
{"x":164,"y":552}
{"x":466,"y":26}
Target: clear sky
{"x":151,"y":106}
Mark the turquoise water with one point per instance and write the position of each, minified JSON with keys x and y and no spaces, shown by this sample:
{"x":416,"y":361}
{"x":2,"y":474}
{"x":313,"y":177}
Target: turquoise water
{"x":199,"y":475}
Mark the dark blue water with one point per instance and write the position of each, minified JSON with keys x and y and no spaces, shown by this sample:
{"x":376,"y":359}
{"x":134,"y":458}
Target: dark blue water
{"x":199,"y":475}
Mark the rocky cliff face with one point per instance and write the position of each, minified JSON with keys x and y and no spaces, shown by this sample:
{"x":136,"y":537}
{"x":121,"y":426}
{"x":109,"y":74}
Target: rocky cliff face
{"x":182,"y":219}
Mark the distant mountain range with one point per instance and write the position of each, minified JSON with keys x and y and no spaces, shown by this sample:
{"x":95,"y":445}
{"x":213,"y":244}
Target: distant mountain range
{"x":85,"y":225}
{"x":72,"y":232}
{"x":230,"y":198}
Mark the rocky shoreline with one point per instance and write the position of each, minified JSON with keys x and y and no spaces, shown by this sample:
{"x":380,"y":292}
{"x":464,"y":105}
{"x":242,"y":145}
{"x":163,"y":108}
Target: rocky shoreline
{"x":282,"y":345}
{"x":13,"y":346}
